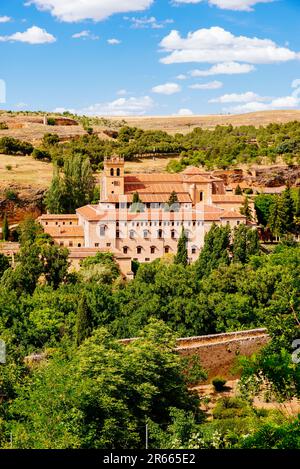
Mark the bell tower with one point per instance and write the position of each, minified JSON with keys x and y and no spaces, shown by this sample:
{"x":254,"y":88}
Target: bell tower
{"x":113,"y":177}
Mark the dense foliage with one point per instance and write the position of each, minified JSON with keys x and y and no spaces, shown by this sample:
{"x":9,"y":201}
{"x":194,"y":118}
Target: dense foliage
{"x":71,"y":320}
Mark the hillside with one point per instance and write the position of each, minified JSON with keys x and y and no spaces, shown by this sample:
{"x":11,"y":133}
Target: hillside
{"x":30,"y":127}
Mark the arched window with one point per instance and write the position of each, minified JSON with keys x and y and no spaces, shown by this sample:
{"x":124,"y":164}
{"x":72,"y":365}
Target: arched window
{"x":160,"y":234}
{"x":146,"y":233}
{"x":112,"y":171}
{"x":118,"y":172}
{"x":173,"y":234}
{"x":167,"y":249}
{"x":125,"y":249}
{"x":131,"y":234}
{"x":139,"y":250}
{"x":152,"y":249}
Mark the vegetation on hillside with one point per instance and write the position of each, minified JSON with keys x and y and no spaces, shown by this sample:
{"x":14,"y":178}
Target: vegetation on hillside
{"x":72,"y":320}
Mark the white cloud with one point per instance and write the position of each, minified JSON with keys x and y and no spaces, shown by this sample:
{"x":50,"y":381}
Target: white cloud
{"x":238,"y":98}
{"x":5,"y":19}
{"x":2,"y":91}
{"x":226,"y":68}
{"x":33,"y":35}
{"x":85,"y":35}
{"x":251,"y":102}
{"x":119,"y":107}
{"x":215,"y":45}
{"x":167,"y":88}
{"x":184,"y":112}
{"x":239,"y":5}
{"x":97,"y":10}
{"x":148,"y":22}
{"x":181,"y":77}
{"x":212,"y":85}
{"x":296,"y":83}
{"x":113,"y":41}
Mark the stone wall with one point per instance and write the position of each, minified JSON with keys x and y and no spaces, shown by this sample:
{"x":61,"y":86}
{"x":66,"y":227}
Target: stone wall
{"x":218,"y":353}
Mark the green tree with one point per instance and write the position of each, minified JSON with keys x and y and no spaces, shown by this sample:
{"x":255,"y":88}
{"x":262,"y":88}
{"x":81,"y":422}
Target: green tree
{"x":246,"y":210}
{"x":5,"y":228}
{"x":137,"y":204}
{"x":173,"y":202}
{"x":215,"y":251}
{"x":84,"y":325}
{"x":245,"y":244}
{"x":103,"y":395}
{"x":238,"y":190}
{"x":182,"y":252}
{"x":4,"y":264}
{"x":282,"y":214}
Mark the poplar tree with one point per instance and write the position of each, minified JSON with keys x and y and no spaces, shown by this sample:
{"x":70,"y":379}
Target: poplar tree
{"x":245,"y":244}
{"x":215,"y":251}
{"x":182,"y":253}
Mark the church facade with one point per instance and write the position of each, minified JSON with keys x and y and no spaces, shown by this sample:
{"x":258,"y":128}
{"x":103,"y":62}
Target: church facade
{"x":141,"y":216}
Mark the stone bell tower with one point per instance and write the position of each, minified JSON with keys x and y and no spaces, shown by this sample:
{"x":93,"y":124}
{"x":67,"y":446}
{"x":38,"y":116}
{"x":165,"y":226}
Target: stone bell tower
{"x":112,"y":182}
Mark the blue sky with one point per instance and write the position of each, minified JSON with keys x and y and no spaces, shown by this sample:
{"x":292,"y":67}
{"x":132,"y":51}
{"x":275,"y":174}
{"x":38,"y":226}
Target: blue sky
{"x":150,"y":57}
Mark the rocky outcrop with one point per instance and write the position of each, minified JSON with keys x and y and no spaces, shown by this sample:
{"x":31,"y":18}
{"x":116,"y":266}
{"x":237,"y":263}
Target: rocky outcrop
{"x":20,"y":202}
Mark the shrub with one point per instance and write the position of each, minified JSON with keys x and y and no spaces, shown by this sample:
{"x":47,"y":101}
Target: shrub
{"x":219,"y":383}
{"x":8,"y":167}
{"x":51,"y":121}
{"x":3,"y":126}
{"x":11,"y":194}
{"x":13,"y":146}
{"x":231,"y":407}
{"x":39,"y":154}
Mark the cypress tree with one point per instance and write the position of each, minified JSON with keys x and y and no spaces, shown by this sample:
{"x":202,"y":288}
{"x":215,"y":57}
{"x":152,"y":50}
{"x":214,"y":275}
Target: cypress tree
{"x":246,"y":210}
{"x":83,"y":321}
{"x":238,"y":190}
{"x":137,"y":204}
{"x":173,"y":202}
{"x":5,"y":228}
{"x":182,"y":253}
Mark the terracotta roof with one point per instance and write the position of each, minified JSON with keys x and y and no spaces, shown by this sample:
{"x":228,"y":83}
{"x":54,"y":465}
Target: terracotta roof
{"x":48,"y":216}
{"x":191,"y":170}
{"x":199,"y":178}
{"x":64,"y":231}
{"x":149,"y":198}
{"x":153,"y":177}
{"x":228,"y":198}
{"x":90,"y":213}
{"x":156,"y":187}
{"x":232,"y":214}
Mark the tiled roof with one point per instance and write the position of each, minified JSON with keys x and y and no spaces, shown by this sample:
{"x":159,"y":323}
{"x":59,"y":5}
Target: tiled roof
{"x":149,"y":198}
{"x":191,"y":170}
{"x":90,"y":213}
{"x":48,"y":216}
{"x":153,"y":178}
{"x":224,"y":198}
{"x":64,"y":231}
{"x":232,"y":214}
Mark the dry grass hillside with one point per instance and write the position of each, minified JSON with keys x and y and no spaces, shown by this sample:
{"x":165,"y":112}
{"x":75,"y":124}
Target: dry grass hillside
{"x":173,"y":124}
{"x":31,"y":128}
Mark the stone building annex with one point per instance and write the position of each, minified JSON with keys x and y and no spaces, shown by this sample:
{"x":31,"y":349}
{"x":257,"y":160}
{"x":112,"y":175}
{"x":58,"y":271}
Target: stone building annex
{"x":149,"y":229}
